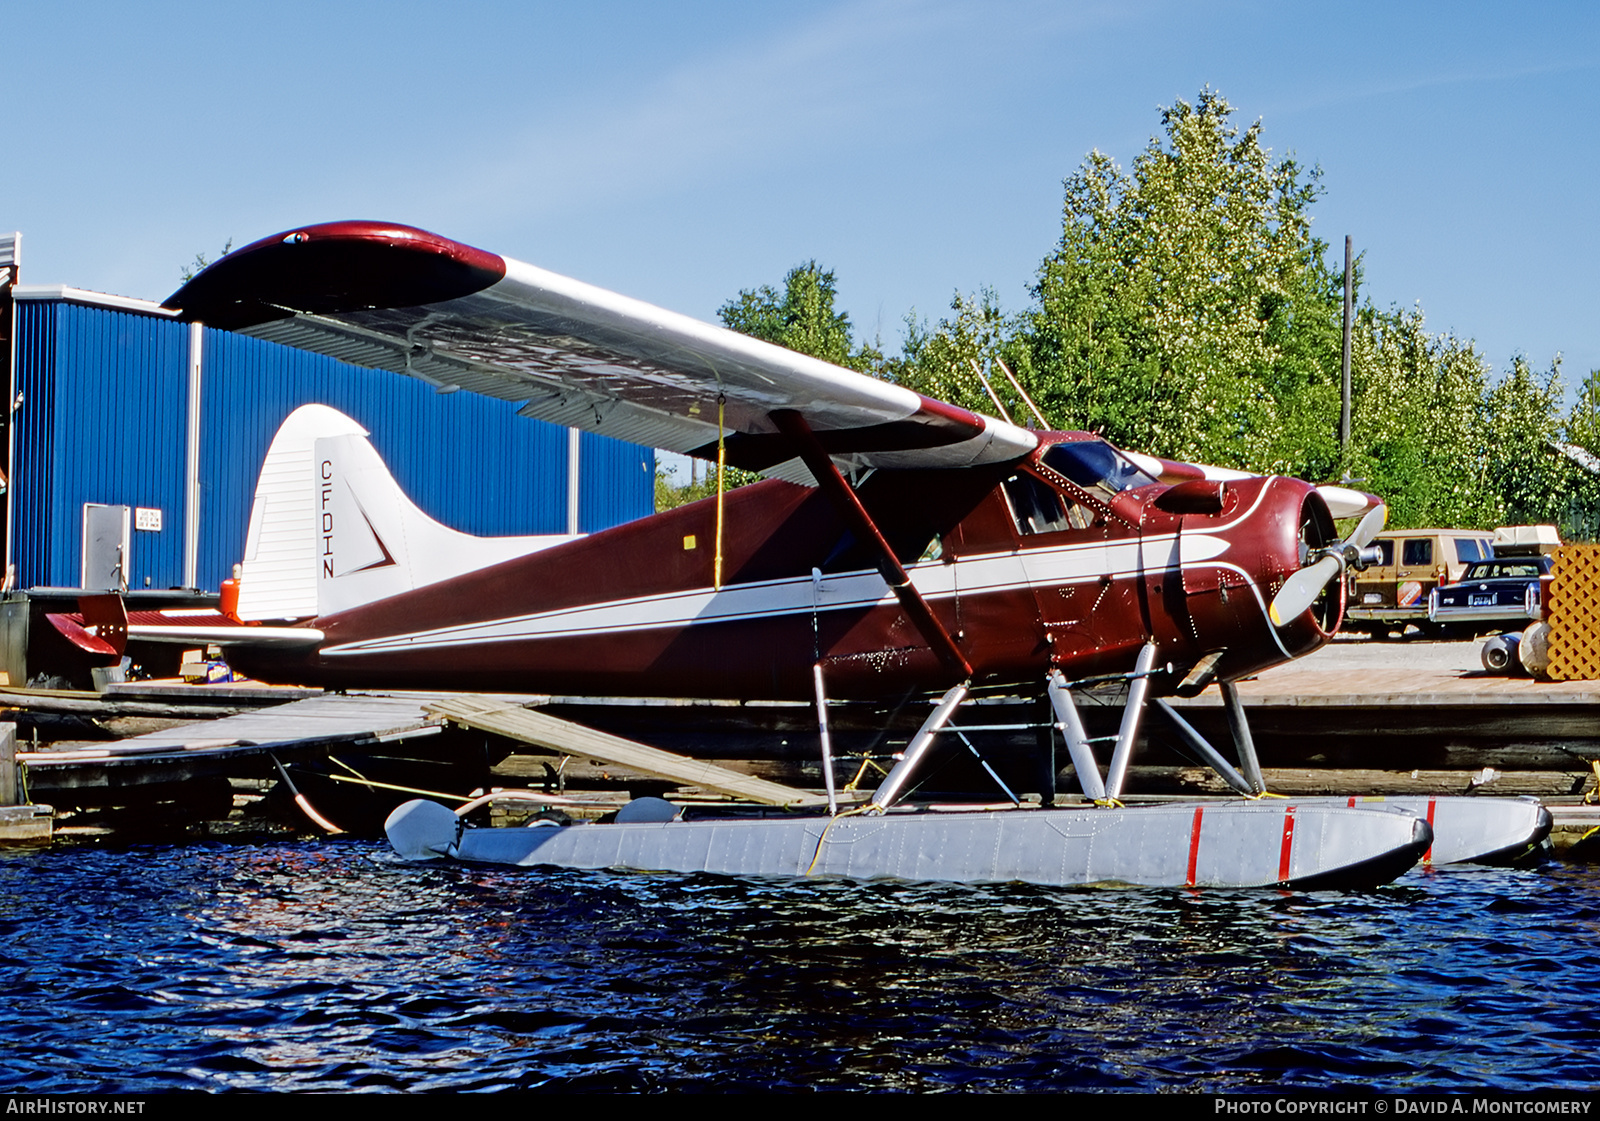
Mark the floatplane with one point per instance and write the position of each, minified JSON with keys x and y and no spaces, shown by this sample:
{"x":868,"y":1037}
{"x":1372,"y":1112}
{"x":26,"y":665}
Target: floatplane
{"x":897,"y":545}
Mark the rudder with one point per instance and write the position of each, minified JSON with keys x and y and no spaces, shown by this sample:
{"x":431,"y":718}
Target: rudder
{"x":330,"y":529}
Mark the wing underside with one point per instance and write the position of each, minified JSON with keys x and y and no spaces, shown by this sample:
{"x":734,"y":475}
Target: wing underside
{"x":393,"y":298}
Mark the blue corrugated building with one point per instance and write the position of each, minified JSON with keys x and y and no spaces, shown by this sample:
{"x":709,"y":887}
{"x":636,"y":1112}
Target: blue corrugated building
{"x":116,"y":402}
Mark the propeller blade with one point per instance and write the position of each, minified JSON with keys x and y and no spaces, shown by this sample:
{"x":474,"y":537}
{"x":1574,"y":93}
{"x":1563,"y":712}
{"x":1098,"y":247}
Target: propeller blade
{"x":1344,"y":502}
{"x":1300,"y":589}
{"x":1369,"y":527}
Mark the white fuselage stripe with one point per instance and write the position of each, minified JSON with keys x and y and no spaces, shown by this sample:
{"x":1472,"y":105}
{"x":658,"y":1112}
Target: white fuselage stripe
{"x":1033,"y":569}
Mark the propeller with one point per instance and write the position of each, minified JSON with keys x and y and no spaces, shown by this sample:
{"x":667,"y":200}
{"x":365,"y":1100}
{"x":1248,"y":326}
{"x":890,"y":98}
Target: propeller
{"x":1301,"y":589}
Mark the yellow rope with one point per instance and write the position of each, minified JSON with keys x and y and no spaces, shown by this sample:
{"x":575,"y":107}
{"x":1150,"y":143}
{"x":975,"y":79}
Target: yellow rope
{"x":722,"y":463}
{"x":376,"y":785}
{"x":823,"y":836}
{"x":861,"y":773}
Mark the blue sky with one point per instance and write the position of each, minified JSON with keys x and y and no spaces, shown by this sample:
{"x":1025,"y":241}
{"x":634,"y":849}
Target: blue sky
{"x":681,"y":152}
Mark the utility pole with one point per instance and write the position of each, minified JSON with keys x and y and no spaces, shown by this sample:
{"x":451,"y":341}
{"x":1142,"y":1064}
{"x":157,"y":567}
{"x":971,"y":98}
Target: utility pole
{"x":1344,"y":369}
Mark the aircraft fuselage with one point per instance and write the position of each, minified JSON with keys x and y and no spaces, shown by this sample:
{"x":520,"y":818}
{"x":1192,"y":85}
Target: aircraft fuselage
{"x":1025,"y":568}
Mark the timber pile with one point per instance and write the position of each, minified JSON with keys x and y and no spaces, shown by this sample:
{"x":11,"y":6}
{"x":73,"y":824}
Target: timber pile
{"x":1573,"y":613}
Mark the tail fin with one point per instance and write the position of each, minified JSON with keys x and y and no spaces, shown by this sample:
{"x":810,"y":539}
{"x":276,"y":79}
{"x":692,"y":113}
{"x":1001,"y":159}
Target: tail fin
{"x":330,"y":528}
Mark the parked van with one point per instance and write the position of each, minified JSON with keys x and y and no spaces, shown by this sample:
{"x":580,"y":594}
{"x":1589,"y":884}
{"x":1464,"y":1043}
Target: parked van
{"x":1393,"y":594}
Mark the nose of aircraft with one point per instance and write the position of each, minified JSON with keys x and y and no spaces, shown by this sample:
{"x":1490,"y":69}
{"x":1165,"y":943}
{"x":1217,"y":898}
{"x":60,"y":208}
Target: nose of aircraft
{"x":1322,"y":560}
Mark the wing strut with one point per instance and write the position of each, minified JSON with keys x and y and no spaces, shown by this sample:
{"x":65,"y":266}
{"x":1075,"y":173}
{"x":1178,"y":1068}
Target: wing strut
{"x":849,"y":507}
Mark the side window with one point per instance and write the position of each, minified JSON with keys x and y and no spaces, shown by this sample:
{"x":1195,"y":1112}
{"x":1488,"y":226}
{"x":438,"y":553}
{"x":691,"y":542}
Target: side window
{"x":1386,"y":547}
{"x":1467,"y":550}
{"x":1037,"y":507}
{"x":1418,"y":551}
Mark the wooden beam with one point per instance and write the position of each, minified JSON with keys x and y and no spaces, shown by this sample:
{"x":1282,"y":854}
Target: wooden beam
{"x":567,"y":738}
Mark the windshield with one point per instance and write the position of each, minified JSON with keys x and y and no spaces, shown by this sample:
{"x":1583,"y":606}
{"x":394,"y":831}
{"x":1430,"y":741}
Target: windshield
{"x":1502,"y":570}
{"x":1096,"y":465}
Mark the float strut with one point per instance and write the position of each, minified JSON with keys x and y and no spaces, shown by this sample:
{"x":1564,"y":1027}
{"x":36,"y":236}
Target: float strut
{"x":1078,"y":746}
{"x":1138,"y":690}
{"x":899,"y":778}
{"x":827,"y":741}
{"x":1186,"y":731}
{"x":1242,"y":740}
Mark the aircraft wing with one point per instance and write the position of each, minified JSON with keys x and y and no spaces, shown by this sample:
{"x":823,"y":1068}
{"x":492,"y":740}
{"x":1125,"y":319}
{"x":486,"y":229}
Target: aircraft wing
{"x":401,"y":299}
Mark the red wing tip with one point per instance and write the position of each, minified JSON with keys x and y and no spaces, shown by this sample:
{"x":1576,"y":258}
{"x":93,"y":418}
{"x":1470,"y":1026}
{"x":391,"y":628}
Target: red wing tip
{"x":366,"y":231}
{"x":330,"y":267}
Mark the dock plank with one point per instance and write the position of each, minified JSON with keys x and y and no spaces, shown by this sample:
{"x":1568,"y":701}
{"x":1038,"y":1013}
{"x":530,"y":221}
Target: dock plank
{"x":322,"y":719}
{"x":562,"y":736}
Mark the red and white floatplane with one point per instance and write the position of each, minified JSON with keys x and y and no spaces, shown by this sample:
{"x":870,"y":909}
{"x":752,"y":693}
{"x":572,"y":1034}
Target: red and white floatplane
{"x":898,"y":545}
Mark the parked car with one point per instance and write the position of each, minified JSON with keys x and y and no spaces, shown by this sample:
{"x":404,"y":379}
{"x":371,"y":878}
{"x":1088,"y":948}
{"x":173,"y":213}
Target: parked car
{"x":1393,"y":594}
{"x":1494,"y":595}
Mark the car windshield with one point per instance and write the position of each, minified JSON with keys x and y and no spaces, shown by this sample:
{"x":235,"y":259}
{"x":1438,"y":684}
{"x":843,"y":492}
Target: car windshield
{"x":1505,"y":570}
{"x":1095,"y":464}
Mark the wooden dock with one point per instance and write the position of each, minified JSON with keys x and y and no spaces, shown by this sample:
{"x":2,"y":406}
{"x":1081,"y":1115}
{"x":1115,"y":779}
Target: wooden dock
{"x":372,"y":734}
{"x":562,"y":737}
{"x":1316,"y":721}
{"x":222,"y":746}
{"x":1419,"y":717}
{"x":1372,"y":718}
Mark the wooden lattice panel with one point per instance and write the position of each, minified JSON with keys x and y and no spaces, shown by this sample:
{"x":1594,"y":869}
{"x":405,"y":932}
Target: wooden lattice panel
{"x":1573,"y":612}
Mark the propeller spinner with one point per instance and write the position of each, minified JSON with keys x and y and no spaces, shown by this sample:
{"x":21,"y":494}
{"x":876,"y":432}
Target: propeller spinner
{"x":1301,"y":589}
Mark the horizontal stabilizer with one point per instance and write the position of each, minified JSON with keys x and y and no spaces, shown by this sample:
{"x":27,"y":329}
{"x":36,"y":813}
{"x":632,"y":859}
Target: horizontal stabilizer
{"x":276,"y":638}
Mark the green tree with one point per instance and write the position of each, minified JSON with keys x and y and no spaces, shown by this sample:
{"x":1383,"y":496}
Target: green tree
{"x":1583,"y":421}
{"x":1522,"y":425}
{"x":939,"y":361}
{"x":1417,"y":422}
{"x":801,"y":318}
{"x":1187,"y":309}
{"x":1582,"y":429}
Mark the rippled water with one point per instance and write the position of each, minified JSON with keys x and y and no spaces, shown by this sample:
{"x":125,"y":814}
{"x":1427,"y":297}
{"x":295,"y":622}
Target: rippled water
{"x":331,"y":966}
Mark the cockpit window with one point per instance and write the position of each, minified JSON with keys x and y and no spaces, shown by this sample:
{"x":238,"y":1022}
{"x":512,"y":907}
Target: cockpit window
{"x":1037,"y":508}
{"x":1096,"y":465}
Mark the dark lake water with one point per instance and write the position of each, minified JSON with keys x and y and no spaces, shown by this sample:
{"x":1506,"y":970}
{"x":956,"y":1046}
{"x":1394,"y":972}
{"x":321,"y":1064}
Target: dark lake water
{"x":331,"y":966}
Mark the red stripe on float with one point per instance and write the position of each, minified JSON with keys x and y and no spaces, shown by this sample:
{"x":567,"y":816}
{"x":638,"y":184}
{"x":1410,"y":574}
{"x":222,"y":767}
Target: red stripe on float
{"x":1288,"y":843}
{"x":1194,"y":844}
{"x":1427,"y":857}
